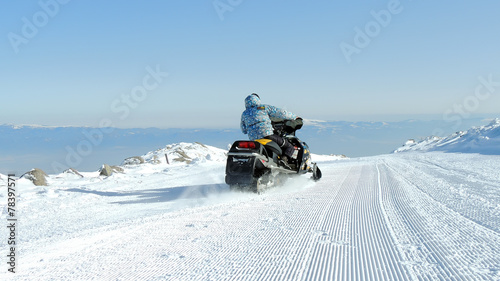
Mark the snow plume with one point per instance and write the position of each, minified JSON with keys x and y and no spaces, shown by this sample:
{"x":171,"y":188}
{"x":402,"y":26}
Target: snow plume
{"x":291,"y":184}
{"x":484,"y":140}
{"x":188,"y":174}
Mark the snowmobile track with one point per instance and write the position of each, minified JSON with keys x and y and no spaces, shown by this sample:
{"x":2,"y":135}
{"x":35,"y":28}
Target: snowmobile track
{"x":438,"y":242}
{"x":378,"y":218}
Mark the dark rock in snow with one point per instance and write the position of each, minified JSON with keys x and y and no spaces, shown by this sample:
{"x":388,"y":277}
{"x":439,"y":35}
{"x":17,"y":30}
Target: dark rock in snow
{"x":135,"y":160}
{"x":37,"y":176}
{"x":107,"y":170}
{"x":73,"y":172}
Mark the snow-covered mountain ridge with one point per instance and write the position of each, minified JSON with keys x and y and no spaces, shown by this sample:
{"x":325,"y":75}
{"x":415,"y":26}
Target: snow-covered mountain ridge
{"x":484,"y":140}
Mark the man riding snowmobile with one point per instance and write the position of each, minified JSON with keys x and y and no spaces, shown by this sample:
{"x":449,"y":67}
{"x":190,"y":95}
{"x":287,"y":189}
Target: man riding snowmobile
{"x":273,"y":153}
{"x":256,"y":122}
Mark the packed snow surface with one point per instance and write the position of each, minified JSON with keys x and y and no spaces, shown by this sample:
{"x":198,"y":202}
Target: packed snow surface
{"x":411,"y":216}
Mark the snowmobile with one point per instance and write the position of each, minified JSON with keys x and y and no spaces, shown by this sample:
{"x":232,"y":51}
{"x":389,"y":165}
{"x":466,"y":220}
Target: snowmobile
{"x":257,"y":165}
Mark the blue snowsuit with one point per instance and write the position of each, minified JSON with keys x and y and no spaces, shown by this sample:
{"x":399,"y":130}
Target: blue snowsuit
{"x":256,"y":121}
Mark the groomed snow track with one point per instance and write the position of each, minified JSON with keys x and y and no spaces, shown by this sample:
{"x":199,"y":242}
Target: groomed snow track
{"x":380,"y":218}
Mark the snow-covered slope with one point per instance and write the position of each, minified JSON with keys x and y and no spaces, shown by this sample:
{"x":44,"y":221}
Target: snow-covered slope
{"x":484,"y":139}
{"x":411,"y":216}
{"x":186,"y":153}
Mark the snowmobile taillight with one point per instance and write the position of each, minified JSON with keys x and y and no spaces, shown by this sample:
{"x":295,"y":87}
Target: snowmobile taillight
{"x":247,"y":144}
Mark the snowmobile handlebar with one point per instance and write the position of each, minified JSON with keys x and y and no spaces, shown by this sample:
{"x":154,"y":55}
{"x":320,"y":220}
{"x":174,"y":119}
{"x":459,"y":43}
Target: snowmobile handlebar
{"x":287,"y":126}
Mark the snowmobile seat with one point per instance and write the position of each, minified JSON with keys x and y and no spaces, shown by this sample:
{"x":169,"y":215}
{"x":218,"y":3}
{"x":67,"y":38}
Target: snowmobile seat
{"x":271,"y":146}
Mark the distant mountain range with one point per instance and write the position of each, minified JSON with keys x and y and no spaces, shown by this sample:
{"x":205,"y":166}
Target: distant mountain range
{"x":23,"y":147}
{"x":483,"y":140}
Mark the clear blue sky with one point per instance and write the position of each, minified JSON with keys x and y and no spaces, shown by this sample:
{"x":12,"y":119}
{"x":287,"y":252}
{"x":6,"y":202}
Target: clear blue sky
{"x":80,"y":62}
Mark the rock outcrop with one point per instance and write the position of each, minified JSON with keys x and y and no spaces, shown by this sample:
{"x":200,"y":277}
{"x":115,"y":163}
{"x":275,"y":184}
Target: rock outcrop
{"x":37,"y":176}
{"x":107,"y":170}
{"x":135,"y":160}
